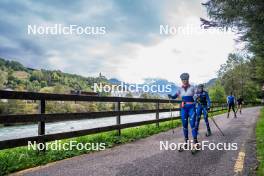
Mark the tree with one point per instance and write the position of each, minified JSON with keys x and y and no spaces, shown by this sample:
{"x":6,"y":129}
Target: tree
{"x":147,"y":105}
{"x":92,"y":107}
{"x":129,"y":105}
{"x":245,"y":17}
{"x":10,"y":76}
{"x":238,"y":75}
{"x":55,"y":77}
{"x":47,"y":90}
{"x":36,"y":75}
{"x":259,"y":69}
{"x":58,"y":88}
{"x":233,"y":74}
{"x":217,"y":92}
{"x":3,"y":79}
{"x":14,"y":65}
{"x":32,"y":86}
{"x":43,"y":84}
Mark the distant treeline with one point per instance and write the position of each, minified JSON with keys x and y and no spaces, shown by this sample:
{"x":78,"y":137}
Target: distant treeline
{"x":14,"y":76}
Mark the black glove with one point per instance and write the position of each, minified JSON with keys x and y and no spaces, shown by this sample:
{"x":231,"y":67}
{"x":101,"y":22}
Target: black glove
{"x":170,"y":96}
{"x":208,"y":109}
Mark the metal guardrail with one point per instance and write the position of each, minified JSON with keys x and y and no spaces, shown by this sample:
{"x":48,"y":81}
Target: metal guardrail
{"x":41,"y":118}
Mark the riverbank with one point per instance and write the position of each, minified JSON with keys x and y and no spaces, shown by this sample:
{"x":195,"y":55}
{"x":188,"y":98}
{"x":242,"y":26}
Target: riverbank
{"x":20,"y":158}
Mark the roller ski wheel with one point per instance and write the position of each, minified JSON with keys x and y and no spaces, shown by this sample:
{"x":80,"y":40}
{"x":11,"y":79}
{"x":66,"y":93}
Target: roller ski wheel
{"x":208,"y":134}
{"x":182,"y":147}
{"x":195,"y":149}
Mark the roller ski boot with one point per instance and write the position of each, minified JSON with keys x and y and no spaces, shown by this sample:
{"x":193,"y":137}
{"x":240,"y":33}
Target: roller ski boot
{"x":183,"y":146}
{"x":196,"y":147}
{"x":208,"y":133}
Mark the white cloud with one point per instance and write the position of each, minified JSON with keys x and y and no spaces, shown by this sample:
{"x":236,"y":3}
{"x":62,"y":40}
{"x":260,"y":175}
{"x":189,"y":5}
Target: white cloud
{"x":200,"y":55}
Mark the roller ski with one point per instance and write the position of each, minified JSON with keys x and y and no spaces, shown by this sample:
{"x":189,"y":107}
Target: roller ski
{"x":184,"y":146}
{"x":196,"y":147}
{"x":208,"y":133}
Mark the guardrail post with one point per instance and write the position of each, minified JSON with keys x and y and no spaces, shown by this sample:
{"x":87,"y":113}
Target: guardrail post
{"x":118,"y":117}
{"x":41,"y":123}
{"x":157,"y":113}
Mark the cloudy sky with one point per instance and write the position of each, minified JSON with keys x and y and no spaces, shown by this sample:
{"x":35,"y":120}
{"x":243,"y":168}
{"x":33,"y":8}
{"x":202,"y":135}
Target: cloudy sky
{"x":132,"y":47}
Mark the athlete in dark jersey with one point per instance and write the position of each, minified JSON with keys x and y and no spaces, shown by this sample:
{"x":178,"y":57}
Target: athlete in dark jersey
{"x":240,"y":101}
{"x":203,"y":104}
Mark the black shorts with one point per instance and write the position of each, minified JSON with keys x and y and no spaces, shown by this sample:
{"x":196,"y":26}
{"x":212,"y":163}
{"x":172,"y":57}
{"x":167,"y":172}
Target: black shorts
{"x":239,"y":103}
{"x":231,"y":105}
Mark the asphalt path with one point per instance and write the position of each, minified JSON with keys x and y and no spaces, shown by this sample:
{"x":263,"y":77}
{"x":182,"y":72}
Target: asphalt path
{"x":144,"y":156}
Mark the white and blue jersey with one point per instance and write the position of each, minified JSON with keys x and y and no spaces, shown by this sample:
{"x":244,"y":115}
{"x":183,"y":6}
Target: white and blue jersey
{"x":187,"y":109}
{"x":185,"y":93}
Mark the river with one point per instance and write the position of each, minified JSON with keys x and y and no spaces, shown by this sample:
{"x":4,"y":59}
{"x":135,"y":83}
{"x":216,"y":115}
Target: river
{"x":19,"y":131}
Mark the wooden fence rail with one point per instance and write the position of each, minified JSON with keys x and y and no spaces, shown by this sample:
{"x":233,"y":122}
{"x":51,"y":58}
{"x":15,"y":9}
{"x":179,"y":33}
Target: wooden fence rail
{"x":41,"y":118}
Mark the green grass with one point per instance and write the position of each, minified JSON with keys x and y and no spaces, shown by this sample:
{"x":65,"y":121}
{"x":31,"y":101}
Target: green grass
{"x":260,"y":143}
{"x":20,"y":158}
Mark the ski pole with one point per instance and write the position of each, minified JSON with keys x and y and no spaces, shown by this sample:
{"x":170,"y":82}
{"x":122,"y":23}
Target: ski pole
{"x":217,"y":125}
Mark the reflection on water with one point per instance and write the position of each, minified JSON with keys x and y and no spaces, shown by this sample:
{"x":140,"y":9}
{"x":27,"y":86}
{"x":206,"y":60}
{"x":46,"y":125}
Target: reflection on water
{"x":20,"y":131}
